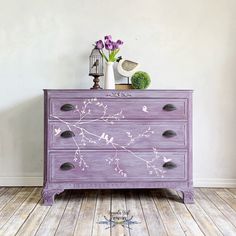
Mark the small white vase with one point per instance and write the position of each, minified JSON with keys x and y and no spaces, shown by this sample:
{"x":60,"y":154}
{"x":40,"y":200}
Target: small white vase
{"x":109,"y":76}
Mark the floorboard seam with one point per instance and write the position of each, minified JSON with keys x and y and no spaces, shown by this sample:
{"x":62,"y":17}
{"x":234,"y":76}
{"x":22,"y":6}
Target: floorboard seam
{"x":10,"y":198}
{"x":63,"y":212}
{"x":174,"y":212}
{"x":82,"y":199}
{"x":15,"y":209}
{"x":43,"y":220}
{"x":199,"y":226}
{"x":94,"y":211}
{"x":219,"y":209}
{"x":126,"y":209}
{"x":152,"y":197}
{"x":4,"y":191}
{"x":224,"y":201}
{"x":144,"y":215}
{"x":110,"y":211}
{"x":28,"y":215}
{"x":212,"y":220}
{"x":228,"y":191}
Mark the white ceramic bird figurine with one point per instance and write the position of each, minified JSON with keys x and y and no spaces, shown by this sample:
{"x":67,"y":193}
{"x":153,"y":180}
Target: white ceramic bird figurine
{"x":127,"y":68}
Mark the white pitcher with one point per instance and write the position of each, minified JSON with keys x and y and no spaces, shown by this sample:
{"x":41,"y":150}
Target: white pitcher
{"x":109,"y":76}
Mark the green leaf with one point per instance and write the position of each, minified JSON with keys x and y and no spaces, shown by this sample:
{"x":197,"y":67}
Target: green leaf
{"x":112,"y":55}
{"x":104,"y":56}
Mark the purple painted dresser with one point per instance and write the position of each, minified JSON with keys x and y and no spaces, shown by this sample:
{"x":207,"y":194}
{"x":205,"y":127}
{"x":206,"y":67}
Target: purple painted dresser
{"x":107,"y":139}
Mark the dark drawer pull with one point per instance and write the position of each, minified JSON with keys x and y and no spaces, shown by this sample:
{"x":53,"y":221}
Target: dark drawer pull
{"x":169,"y":107}
{"x":67,"y":166}
{"x":169,"y":165}
{"x":169,"y":134}
{"x":67,"y":134}
{"x":68,"y":107}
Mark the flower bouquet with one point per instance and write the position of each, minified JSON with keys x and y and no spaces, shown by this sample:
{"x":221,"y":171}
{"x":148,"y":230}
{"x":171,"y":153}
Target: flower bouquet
{"x":113,"y":48}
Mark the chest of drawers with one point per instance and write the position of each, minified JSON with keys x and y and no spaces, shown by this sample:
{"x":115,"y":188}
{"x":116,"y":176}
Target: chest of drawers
{"x":117,"y":139}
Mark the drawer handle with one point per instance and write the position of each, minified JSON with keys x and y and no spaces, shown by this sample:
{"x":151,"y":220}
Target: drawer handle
{"x":67,"y":166}
{"x":67,"y":134}
{"x":68,"y":107}
{"x":169,"y":107}
{"x":169,"y":134}
{"x":169,"y":165}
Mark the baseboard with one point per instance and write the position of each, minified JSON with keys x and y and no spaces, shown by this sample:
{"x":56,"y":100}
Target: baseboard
{"x":21,"y":181}
{"x":38,"y":181}
{"x":215,"y":183}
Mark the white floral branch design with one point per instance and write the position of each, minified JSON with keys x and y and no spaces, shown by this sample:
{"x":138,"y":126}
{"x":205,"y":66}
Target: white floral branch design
{"x":147,"y":133}
{"x":90,"y":137}
{"x":84,"y":111}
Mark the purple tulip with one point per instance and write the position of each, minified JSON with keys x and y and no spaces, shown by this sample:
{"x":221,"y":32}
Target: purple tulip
{"x":99,"y":44}
{"x":119,"y":42}
{"x":108,"y":45}
{"x":114,"y":46}
{"x":108,"y":37}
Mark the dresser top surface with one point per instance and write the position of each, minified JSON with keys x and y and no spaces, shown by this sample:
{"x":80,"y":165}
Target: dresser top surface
{"x":105,"y":93}
{"x":114,"y":90}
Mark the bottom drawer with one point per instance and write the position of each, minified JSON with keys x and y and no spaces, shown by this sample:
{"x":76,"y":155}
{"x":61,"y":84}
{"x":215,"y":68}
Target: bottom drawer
{"x":116,"y":166}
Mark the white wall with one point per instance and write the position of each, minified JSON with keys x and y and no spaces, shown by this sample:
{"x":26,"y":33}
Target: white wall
{"x":181,"y":43}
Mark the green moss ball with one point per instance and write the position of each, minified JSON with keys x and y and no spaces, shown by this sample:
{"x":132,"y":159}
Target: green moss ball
{"x":140,"y":80}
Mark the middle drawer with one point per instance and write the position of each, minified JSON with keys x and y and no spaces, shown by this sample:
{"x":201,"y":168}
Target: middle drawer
{"x":118,"y":135}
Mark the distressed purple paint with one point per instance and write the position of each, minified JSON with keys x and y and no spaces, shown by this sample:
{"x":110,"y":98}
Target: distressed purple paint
{"x":120,"y":128}
{"x":121,"y":139}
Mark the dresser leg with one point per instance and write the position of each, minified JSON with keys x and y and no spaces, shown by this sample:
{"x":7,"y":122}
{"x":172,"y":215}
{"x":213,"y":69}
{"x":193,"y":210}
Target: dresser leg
{"x":49,"y":194}
{"x":188,"y":196}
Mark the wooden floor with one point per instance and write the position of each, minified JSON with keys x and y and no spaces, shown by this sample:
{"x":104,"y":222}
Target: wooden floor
{"x":156,"y":212}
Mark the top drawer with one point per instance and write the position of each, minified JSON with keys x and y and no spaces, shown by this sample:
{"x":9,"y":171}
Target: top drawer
{"x":108,"y":108}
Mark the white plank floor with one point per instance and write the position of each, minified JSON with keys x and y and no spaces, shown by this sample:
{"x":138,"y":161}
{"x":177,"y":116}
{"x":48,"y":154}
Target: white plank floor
{"x":156,"y":212}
